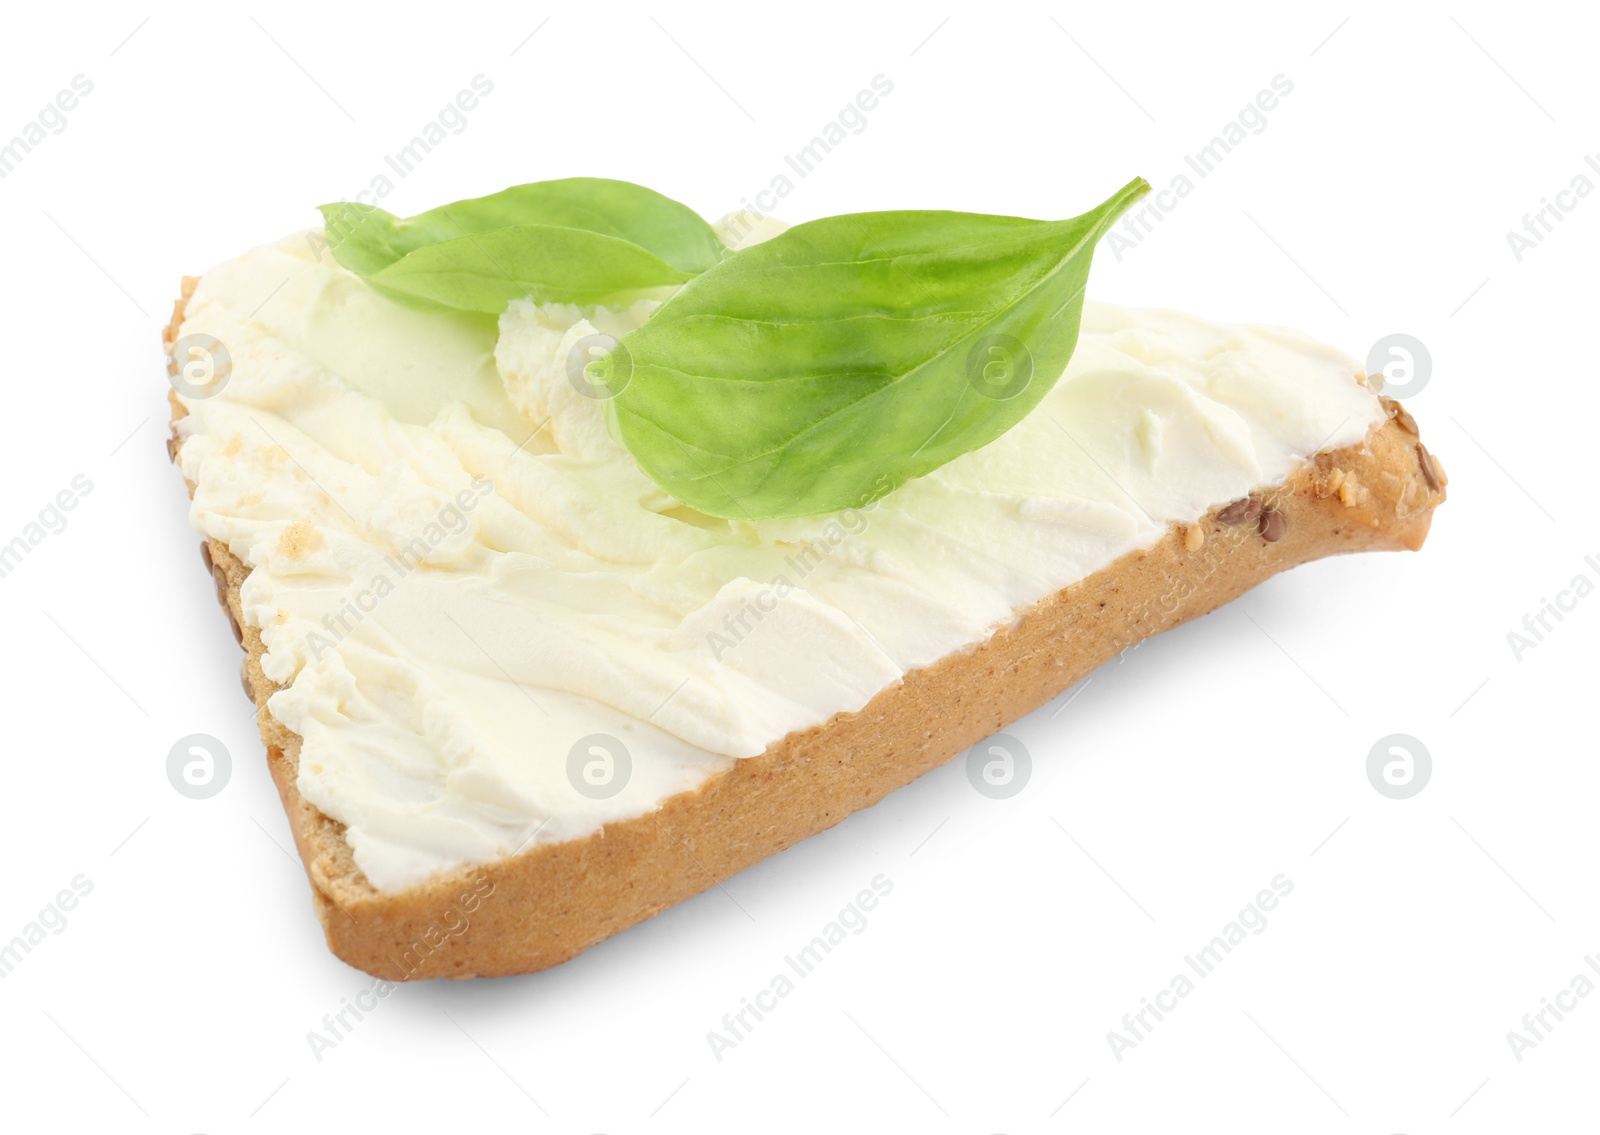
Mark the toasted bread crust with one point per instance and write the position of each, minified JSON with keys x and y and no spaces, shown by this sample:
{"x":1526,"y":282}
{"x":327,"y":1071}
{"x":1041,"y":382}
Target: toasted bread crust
{"x":544,"y":905}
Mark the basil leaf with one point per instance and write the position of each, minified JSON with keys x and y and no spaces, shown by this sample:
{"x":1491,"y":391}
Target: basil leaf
{"x":486,"y":271}
{"x":361,"y":237}
{"x":367,"y":239}
{"x":672,"y":231}
{"x":825,"y":367}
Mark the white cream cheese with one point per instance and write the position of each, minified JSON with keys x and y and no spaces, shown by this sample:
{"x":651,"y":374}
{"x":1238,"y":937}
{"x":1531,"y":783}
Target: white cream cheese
{"x":468,"y":588}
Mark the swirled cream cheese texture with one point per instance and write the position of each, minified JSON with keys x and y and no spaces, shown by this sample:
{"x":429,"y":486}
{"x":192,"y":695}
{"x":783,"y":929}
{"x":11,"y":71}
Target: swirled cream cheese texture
{"x":492,"y":629}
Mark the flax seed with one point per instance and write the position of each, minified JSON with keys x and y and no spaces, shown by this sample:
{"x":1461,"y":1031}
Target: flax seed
{"x":1429,"y":473}
{"x":1241,"y":510}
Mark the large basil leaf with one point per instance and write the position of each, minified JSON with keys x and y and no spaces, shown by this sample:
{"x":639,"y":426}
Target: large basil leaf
{"x":825,"y":367}
{"x":592,"y":232}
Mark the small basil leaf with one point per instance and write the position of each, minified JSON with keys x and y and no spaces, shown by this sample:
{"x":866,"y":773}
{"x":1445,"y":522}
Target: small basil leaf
{"x":486,"y":271}
{"x":366,"y":239}
{"x":829,"y":365}
{"x":361,"y":237}
{"x":673,"y":232}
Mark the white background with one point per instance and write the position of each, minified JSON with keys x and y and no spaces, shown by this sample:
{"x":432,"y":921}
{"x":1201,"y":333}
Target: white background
{"x":1175,"y":786}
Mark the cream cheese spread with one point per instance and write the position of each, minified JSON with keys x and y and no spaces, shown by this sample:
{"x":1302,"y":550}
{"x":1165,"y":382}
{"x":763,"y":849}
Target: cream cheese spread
{"x":492,"y":629}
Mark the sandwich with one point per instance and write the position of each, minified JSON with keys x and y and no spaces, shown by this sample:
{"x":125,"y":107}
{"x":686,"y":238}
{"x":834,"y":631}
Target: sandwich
{"x":583,"y":553}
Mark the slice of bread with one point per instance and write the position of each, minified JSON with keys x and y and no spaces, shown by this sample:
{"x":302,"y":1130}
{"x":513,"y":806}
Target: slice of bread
{"x":544,"y":905}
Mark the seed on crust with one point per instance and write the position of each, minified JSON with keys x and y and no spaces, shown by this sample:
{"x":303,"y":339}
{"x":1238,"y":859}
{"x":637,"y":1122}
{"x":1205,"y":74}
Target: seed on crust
{"x":1347,"y":490}
{"x":1429,"y":473}
{"x":1404,"y":420}
{"x":244,"y":679}
{"x":172,"y":450}
{"x":1273,"y":525}
{"x":1193,"y":537}
{"x":1335,"y":479}
{"x":205,"y":554}
{"x":233,"y":625}
{"x":220,"y":578}
{"x":1241,"y":510}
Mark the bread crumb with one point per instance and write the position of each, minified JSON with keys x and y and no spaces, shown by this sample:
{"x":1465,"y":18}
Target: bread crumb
{"x":298,"y":540}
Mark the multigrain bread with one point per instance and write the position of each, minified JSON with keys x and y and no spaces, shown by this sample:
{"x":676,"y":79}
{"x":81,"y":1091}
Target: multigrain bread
{"x":544,"y":905}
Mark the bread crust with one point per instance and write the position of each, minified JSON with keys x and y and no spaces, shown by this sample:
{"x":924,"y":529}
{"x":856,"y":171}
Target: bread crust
{"x":546,"y":904}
